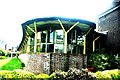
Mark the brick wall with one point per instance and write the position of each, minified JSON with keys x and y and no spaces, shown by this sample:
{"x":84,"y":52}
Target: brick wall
{"x":111,"y":23}
{"x":48,"y":63}
{"x":66,"y":61}
{"x":38,"y":63}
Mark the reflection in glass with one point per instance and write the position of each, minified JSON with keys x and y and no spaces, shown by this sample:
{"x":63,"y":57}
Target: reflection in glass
{"x":51,"y":37}
{"x":59,"y":36}
{"x":43,"y":36}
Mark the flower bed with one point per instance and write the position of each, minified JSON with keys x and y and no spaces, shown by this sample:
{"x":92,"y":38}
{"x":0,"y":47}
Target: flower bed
{"x":71,"y":74}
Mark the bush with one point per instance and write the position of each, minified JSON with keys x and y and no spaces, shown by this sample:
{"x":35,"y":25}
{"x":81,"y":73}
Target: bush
{"x":52,"y":76}
{"x":23,"y":74}
{"x":43,"y":76}
{"x":103,"y":76}
{"x":5,"y":74}
{"x":3,"y":57}
{"x":60,"y":74}
{"x":2,"y":52}
{"x":14,"y":63}
{"x":107,"y":75}
{"x":74,"y":74}
{"x":115,"y":74}
{"x":103,"y":61}
{"x":17,"y":74}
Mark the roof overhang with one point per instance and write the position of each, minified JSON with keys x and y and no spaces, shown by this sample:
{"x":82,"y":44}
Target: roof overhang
{"x":52,"y":23}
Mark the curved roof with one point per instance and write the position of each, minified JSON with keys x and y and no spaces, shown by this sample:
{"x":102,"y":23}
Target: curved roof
{"x":52,"y":23}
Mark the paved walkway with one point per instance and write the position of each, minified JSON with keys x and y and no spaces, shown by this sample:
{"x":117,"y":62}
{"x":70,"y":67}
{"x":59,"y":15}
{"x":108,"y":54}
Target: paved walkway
{"x":4,"y":61}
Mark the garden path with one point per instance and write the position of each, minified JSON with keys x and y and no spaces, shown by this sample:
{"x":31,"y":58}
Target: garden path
{"x":4,"y":61}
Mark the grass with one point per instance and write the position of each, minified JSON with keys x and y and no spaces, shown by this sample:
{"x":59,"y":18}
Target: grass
{"x":11,"y":64}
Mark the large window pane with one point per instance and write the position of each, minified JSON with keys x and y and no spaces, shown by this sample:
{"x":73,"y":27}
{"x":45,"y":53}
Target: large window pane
{"x":58,"y":48}
{"x":51,"y":37}
{"x":59,"y":36}
{"x":50,"y":47}
{"x":43,"y":36}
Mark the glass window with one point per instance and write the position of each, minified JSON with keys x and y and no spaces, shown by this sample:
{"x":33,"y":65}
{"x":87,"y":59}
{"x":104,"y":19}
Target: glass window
{"x":80,"y":40}
{"x":43,"y":36}
{"x":32,"y":44}
{"x":58,"y":48}
{"x":59,"y":36}
{"x":50,"y":47}
{"x":51,"y":37}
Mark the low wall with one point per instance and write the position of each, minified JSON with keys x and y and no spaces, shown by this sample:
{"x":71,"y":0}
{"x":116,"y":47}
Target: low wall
{"x":66,"y":61}
{"x":49,"y":62}
{"x":39,"y":63}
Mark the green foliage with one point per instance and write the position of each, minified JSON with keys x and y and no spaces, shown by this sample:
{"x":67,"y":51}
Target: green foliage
{"x":24,"y":74}
{"x":73,"y":74}
{"x":43,"y":76}
{"x":5,"y":74}
{"x":103,"y":61}
{"x":14,"y":63}
{"x":2,"y":52}
{"x":52,"y":75}
{"x":108,"y":75}
{"x":3,"y":57}
{"x":103,"y":76}
{"x":115,"y":74}
{"x":117,"y":61}
{"x":60,"y":74}
{"x":16,"y":74}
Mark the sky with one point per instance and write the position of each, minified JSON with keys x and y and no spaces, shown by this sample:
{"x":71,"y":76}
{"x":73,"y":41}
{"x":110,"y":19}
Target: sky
{"x":15,"y":12}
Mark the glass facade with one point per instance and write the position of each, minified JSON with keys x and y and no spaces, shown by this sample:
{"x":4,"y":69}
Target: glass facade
{"x":53,"y":41}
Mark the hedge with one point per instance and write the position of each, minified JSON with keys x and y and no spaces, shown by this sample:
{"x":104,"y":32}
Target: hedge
{"x":71,"y":74}
{"x":22,"y":74}
{"x":17,"y":74}
{"x":107,"y":74}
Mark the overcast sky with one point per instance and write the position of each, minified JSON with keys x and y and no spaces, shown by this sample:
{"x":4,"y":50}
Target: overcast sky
{"x":15,"y":12}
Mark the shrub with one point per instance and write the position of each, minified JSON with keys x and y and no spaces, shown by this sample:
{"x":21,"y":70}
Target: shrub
{"x":43,"y":76}
{"x":23,"y":74}
{"x":107,"y":75}
{"x":15,"y":75}
{"x":115,"y":74}
{"x":52,"y":76}
{"x":103,"y":61}
{"x":5,"y":74}
{"x":3,"y":57}
{"x":14,"y":63}
{"x":2,"y":52}
{"x":74,"y":74}
{"x":103,"y":76}
{"x":60,"y":74}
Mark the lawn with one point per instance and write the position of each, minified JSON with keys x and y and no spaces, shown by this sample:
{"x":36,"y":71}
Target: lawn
{"x":10,"y":64}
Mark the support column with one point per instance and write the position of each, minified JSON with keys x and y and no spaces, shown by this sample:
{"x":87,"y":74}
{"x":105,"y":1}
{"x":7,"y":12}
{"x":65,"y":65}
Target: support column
{"x":35,"y":41}
{"x":54,"y":39}
{"x":84,"y":49}
{"x":46,"y":42}
{"x":65,"y":32}
{"x":94,"y":42}
{"x":28,"y":45}
{"x":39,"y":42}
{"x":65,"y":43}
{"x":36,"y":37}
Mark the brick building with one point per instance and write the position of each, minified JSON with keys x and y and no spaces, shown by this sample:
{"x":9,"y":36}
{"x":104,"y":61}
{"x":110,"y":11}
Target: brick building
{"x":109,"y":22}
